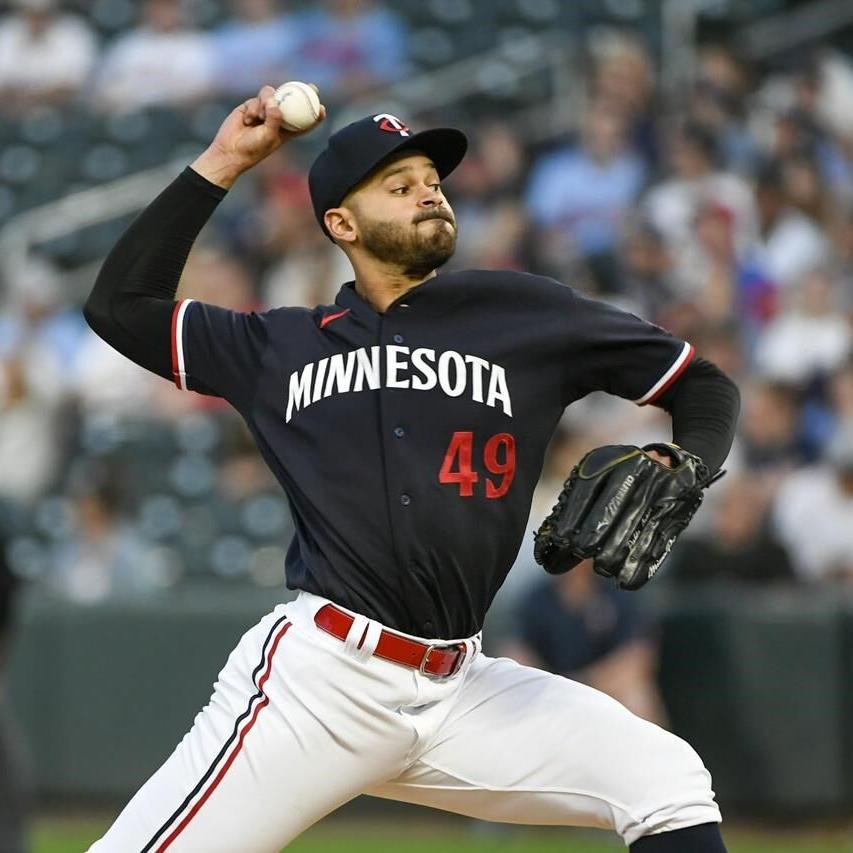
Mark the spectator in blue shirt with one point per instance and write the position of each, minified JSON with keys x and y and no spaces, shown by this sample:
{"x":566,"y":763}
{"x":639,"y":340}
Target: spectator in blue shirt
{"x":585,"y":191}
{"x":255,"y":46}
{"x":350,"y":46}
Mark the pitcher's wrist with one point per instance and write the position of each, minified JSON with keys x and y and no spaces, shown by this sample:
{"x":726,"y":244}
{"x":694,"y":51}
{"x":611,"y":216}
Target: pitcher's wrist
{"x":217,"y":168}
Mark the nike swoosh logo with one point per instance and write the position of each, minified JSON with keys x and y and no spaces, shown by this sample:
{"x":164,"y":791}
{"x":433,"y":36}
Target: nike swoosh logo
{"x":329,"y":317}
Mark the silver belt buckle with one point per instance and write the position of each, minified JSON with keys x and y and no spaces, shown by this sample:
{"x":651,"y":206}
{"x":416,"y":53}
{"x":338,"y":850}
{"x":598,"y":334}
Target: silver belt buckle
{"x":463,"y":652}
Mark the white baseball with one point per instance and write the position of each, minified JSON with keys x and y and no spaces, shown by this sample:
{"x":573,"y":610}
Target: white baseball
{"x":299,"y":105}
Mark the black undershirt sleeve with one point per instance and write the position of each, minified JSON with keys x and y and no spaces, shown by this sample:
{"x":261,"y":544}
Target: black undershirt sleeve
{"x":704,"y":404}
{"x":131,"y":304}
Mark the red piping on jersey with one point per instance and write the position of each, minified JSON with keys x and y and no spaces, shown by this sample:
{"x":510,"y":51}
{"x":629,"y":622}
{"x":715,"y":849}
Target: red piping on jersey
{"x":175,"y":371}
{"x":668,"y":384}
{"x":329,"y":317}
{"x":235,"y":752}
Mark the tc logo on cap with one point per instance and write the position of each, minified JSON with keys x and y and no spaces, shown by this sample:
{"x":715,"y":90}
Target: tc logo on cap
{"x":391,"y":124}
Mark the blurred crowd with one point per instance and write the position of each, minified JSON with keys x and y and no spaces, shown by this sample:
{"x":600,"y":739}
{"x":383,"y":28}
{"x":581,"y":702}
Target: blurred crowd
{"x":726,"y":217}
{"x":728,"y":220}
{"x":49,"y":55}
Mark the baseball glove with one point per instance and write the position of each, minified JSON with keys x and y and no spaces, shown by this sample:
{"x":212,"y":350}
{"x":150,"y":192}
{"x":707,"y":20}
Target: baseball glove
{"x":624,"y":509}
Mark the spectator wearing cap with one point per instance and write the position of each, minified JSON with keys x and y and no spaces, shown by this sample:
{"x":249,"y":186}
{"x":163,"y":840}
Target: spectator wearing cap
{"x":813,"y":514}
{"x":45,"y":55}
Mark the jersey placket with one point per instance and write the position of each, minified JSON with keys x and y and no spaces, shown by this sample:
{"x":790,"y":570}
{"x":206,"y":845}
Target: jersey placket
{"x":398,"y":490}
{"x":403,"y":464}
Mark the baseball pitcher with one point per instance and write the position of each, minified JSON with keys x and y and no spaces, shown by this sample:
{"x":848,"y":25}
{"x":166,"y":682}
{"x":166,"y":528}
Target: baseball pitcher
{"x":407,"y":425}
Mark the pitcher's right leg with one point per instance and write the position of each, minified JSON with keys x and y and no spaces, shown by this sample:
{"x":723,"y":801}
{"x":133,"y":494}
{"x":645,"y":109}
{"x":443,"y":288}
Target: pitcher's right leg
{"x":526,"y":746}
{"x":282,"y":743}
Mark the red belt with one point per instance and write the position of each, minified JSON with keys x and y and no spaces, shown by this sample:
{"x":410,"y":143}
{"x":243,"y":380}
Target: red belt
{"x":441,"y":661}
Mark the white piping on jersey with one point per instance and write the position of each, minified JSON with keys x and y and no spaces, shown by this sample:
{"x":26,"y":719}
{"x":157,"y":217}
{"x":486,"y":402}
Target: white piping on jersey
{"x":683,"y":356}
{"x":450,"y":371}
{"x":181,"y":376}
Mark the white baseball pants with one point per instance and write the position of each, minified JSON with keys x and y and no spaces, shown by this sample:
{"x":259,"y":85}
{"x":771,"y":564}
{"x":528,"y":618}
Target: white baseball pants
{"x":301,"y":722}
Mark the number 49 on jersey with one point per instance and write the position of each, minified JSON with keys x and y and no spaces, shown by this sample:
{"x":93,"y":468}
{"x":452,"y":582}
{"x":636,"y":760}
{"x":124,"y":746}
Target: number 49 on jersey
{"x":498,"y":459}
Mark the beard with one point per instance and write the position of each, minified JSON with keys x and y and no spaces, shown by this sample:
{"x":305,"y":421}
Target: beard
{"x":417,"y":250}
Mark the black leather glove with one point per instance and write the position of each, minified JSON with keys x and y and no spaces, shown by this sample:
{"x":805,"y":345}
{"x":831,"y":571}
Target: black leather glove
{"x":624,"y":509}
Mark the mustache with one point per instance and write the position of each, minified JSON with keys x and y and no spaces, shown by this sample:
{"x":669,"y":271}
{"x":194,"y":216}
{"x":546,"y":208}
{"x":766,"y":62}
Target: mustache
{"x":439,"y":214}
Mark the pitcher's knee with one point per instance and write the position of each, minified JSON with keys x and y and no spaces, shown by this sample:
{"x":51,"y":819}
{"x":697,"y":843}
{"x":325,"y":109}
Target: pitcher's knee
{"x":678,"y":793}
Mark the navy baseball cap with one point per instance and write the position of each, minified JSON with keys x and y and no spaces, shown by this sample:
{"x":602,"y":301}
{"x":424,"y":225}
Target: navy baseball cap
{"x":356,"y":150}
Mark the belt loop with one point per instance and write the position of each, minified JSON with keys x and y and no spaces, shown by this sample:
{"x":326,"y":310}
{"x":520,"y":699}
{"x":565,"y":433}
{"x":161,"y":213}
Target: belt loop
{"x":473,"y":647}
{"x":371,"y":639}
{"x":357,"y":630}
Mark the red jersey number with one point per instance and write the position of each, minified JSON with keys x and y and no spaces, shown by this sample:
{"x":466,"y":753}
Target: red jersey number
{"x":461,"y":448}
{"x":498,"y":457}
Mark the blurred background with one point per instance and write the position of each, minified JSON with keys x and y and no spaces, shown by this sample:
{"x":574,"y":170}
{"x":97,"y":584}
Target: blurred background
{"x":688,"y":160}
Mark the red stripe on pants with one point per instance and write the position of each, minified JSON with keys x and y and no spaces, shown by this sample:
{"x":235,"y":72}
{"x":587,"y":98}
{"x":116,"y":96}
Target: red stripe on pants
{"x":234,"y":752}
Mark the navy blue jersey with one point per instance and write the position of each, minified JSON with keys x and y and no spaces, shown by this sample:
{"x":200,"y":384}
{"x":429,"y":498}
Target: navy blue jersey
{"x":409,"y":442}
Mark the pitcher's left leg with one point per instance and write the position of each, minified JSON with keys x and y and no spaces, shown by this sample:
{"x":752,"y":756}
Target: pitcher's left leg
{"x":525,"y":746}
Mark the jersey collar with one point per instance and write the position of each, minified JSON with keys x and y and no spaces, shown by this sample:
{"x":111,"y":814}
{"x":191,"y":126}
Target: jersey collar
{"x":348,"y":297}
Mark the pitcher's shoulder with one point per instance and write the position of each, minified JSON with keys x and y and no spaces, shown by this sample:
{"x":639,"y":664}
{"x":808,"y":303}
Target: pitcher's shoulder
{"x":292,"y":316}
{"x":511,"y":285}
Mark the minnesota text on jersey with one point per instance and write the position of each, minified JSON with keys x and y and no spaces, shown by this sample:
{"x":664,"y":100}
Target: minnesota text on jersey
{"x":454,"y":373}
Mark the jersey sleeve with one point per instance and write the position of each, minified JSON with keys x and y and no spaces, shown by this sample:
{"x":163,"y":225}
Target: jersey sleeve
{"x":615,"y":351}
{"x":217,"y":351}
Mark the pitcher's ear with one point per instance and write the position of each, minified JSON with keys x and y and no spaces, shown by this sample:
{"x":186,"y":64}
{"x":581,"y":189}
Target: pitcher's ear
{"x":341,"y":224}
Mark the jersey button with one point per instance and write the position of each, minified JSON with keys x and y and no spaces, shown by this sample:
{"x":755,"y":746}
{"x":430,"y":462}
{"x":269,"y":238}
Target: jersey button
{"x":398,"y":339}
{"x":427,"y":628}
{"x":399,"y":432}
{"x":405,"y":500}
